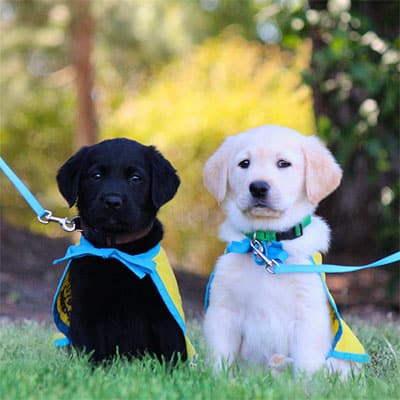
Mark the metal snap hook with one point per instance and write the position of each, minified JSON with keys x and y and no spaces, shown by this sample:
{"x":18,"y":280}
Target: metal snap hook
{"x":65,"y":223}
{"x":259,"y":253}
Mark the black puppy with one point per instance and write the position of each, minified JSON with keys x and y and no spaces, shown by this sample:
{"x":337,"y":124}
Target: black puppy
{"x":119,"y":186}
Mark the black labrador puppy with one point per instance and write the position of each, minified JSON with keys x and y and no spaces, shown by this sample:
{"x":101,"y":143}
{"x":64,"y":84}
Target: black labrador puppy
{"x":119,"y":186}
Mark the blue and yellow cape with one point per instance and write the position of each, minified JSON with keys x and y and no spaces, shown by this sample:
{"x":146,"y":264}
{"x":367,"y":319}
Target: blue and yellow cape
{"x":153,"y":263}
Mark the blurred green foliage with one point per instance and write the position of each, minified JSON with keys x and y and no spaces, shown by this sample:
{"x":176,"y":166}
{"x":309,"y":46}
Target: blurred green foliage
{"x":159,"y":78}
{"x":185,"y":107}
{"x":38,"y":98}
{"x":355,"y":80}
{"x":226,"y":85}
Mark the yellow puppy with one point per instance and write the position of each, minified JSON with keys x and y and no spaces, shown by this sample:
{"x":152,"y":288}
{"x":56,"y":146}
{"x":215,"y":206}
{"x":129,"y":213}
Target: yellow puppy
{"x":271,"y":178}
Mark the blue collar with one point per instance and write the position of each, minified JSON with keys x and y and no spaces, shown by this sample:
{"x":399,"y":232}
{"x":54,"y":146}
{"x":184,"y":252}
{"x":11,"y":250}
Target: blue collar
{"x":140,"y":264}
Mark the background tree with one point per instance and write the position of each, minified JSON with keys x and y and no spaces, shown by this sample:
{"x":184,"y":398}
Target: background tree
{"x":81,"y":46}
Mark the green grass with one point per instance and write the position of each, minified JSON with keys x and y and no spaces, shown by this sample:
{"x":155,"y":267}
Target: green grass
{"x":31,"y":368}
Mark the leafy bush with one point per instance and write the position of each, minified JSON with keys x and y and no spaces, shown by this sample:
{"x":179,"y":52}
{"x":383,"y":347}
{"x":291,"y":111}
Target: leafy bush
{"x":355,"y":81}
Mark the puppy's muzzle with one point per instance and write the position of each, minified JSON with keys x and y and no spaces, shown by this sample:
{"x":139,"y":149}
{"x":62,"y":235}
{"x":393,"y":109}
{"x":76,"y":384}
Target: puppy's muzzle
{"x":259,"y":189}
{"x":113,"y":201}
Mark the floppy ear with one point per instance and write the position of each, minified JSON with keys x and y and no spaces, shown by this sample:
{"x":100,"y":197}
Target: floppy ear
{"x":164,"y":179}
{"x":215,"y":172}
{"x":322,"y":172}
{"x":69,"y":174}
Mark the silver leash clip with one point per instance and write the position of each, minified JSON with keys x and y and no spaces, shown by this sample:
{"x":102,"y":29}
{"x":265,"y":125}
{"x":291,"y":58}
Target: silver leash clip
{"x":259,"y":253}
{"x":65,"y":223}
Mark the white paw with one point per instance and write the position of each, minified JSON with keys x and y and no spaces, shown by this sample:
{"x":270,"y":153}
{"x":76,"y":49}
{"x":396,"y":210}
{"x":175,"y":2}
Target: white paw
{"x":342,"y":367}
{"x":278,"y":363}
{"x":220,"y":364}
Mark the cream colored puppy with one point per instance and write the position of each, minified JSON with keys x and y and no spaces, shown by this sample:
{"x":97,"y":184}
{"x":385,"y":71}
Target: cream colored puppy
{"x":271,"y":178}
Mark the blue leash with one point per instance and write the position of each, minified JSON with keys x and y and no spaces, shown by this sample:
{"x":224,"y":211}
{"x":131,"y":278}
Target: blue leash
{"x":332,"y":268}
{"x":44,"y":216}
{"x":22,"y":189}
{"x":271,"y":256}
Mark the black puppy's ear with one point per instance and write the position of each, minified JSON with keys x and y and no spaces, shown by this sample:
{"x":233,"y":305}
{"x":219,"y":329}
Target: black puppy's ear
{"x":69,"y":174}
{"x":165,"y":181}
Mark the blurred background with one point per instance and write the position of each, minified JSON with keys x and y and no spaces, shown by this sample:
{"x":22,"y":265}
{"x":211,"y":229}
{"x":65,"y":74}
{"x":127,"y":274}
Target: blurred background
{"x":184,"y":74}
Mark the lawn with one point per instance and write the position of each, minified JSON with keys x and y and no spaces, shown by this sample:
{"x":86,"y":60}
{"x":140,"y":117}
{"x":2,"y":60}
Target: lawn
{"x":31,"y":368}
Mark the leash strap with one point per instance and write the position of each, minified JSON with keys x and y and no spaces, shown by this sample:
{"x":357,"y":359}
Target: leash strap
{"x":44,"y":216}
{"x":332,"y":268}
{"x":23,"y":190}
{"x":272,"y":256}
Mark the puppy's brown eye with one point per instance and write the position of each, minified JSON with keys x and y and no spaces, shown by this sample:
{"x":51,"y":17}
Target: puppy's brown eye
{"x":134,"y":178}
{"x":96,"y":176}
{"x":244,"y":164}
{"x":283,"y":164}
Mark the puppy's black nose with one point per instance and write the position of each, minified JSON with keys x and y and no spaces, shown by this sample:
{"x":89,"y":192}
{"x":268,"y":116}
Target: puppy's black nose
{"x":259,"y":189}
{"x":113,"y":201}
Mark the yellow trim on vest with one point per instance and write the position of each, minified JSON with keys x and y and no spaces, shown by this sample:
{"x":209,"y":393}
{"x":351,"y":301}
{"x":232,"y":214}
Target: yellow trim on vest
{"x":166,"y":274}
{"x":64,"y":300}
{"x":347,"y":342}
{"x":317,"y":257}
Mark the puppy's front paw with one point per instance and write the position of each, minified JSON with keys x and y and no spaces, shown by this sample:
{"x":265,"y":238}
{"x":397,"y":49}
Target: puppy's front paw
{"x":342,"y":367}
{"x":278,"y":363}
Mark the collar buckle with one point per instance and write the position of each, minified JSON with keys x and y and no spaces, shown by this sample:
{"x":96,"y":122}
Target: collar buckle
{"x":298,"y":230}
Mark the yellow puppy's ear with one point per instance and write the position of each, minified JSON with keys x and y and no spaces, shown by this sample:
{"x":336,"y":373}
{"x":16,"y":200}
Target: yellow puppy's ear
{"x":215,"y":172}
{"x":322,"y":172}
